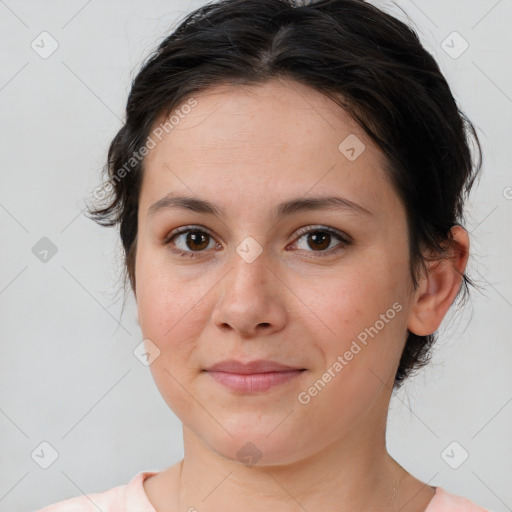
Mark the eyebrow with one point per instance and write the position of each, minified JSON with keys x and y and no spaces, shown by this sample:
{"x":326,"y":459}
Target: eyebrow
{"x":289,"y":207}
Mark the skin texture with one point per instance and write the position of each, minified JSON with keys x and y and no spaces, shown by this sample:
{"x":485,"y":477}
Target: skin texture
{"x":246,"y":149}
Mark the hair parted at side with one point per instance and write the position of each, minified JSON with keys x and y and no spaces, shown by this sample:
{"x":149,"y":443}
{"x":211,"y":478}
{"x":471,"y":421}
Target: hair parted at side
{"x":369,"y":62}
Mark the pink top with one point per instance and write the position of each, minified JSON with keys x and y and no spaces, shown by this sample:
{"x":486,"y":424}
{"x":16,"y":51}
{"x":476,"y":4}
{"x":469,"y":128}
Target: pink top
{"x":132,"y":498}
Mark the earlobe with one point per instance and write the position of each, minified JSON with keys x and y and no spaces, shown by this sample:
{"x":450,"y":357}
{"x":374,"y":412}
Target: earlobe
{"x":439,"y":287}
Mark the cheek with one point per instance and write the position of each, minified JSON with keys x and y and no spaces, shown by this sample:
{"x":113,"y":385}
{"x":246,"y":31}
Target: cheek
{"x":166,"y":300}
{"x":170,"y":313}
{"x":359,"y":311}
{"x":174,"y":307}
{"x":345,"y":301}
{"x":362,"y":346}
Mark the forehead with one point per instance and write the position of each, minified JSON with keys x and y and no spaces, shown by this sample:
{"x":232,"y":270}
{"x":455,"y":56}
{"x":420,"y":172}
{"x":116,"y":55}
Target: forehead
{"x":265,"y":143}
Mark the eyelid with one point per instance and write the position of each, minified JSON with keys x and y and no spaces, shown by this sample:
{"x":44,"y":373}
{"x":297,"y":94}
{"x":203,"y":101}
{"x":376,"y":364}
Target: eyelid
{"x":299,"y":232}
{"x":184,"y":229}
{"x":320,"y":227}
{"x":344,"y":238}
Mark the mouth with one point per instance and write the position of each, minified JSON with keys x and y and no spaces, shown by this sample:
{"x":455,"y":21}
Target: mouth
{"x":253,"y":376}
{"x":251,"y":367}
{"x":253,"y":382}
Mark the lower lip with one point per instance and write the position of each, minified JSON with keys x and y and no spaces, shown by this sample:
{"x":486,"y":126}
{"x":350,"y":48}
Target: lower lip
{"x":253,"y":382}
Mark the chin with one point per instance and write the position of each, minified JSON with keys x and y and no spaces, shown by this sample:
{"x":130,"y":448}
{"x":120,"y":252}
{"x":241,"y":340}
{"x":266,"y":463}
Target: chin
{"x":255,"y":447}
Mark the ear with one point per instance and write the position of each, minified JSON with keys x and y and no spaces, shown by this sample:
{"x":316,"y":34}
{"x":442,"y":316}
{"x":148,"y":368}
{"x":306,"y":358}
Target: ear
{"x":438,"y":289}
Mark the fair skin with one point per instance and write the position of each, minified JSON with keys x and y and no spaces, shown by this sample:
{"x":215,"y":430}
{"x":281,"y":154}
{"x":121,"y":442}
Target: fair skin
{"x":247,"y":149}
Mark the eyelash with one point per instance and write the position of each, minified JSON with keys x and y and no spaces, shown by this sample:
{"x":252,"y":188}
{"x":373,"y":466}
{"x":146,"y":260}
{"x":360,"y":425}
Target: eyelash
{"x":344,"y":241}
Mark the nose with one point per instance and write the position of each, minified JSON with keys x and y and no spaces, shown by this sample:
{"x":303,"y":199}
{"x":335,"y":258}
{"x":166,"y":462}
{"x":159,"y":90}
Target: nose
{"x":251,"y":299}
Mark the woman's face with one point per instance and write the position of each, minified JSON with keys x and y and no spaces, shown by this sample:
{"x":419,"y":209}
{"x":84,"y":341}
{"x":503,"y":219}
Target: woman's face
{"x":259,"y":281}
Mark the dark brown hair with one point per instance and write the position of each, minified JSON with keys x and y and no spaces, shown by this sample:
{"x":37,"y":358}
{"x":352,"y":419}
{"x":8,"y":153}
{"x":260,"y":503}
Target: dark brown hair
{"x":369,"y":62}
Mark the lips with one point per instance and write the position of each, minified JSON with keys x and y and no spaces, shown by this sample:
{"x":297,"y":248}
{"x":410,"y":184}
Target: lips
{"x":254,"y":376}
{"x":257,"y":366}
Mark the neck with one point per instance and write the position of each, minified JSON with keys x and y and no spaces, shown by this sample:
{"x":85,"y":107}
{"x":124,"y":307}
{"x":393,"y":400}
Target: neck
{"x":318,"y":483}
{"x":354,"y":474}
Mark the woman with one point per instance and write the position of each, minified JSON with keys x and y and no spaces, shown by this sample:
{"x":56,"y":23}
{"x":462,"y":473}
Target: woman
{"x":289,"y":184}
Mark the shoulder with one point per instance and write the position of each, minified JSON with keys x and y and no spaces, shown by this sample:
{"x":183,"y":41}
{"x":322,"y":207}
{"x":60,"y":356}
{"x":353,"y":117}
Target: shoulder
{"x":107,"y":501}
{"x":123,"y":497}
{"x":445,"y":501}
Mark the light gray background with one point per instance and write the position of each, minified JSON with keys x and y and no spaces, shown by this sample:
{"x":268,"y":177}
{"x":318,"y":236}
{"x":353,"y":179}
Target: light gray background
{"x":67,"y":372}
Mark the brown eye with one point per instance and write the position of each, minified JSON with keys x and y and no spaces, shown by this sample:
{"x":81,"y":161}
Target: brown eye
{"x":196,"y":240}
{"x":319,"y":240}
{"x":189,"y":241}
